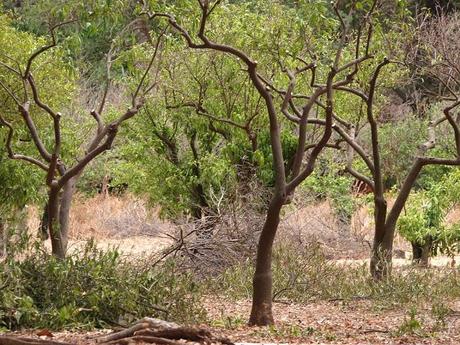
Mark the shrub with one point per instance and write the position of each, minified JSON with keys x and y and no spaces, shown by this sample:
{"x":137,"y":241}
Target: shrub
{"x":92,"y":288}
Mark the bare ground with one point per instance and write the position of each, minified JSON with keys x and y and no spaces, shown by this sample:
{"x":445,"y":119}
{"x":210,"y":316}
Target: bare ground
{"x":317,"y":323}
{"x":336,"y":323}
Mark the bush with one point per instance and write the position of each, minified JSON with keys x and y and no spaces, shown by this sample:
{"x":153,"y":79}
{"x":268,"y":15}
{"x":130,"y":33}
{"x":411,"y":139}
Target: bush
{"x":92,"y":288}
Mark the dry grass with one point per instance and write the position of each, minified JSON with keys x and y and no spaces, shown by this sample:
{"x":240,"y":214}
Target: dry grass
{"x":125,"y":222}
{"x":317,"y":222}
{"x":103,"y":217}
{"x":129,"y":223}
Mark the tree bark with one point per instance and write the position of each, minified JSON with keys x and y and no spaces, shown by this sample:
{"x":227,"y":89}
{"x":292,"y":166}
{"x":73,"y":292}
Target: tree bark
{"x":261,"y":312}
{"x":44,"y":234}
{"x":382,"y":249}
{"x":64,"y":210}
{"x":421,"y":252}
{"x":3,"y":238}
{"x":416,"y":252}
{"x":59,"y":202}
{"x":381,"y":259}
{"x":380,"y":264}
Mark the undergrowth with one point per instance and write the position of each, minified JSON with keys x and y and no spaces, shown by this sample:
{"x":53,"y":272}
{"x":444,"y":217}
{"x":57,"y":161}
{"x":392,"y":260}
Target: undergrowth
{"x":92,"y":288}
{"x":304,"y":275}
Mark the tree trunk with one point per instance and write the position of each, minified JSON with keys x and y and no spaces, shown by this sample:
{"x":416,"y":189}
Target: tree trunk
{"x":44,"y":231}
{"x":416,"y":252}
{"x":261,"y":312}
{"x":59,"y":203}
{"x":421,"y":252}
{"x":3,"y":238}
{"x":382,"y":253}
{"x":64,"y":210}
{"x":380,"y":265}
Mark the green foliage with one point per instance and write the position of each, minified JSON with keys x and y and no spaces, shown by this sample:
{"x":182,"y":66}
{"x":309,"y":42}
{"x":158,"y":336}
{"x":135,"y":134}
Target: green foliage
{"x":217,"y":83}
{"x":423,"y":217}
{"x":425,"y":214}
{"x":326,"y":183}
{"x":410,"y":325}
{"x":399,"y":142}
{"x":92,"y":288}
{"x":19,"y":182}
{"x":86,"y":41}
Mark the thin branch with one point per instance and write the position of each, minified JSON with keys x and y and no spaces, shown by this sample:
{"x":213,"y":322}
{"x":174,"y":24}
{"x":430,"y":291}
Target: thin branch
{"x":11,"y":154}
{"x":76,"y":169}
{"x":147,"y":70}
{"x":45,"y":48}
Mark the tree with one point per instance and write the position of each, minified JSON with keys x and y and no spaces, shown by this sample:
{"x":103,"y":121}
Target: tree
{"x":439,"y":46}
{"x":60,"y":177}
{"x":202,"y":135}
{"x":286,"y":102}
{"x":18,"y":185}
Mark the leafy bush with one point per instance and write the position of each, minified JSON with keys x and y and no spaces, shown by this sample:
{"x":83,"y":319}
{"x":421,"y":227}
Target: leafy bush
{"x":425,"y":214}
{"x":326,"y":183}
{"x":92,"y":288}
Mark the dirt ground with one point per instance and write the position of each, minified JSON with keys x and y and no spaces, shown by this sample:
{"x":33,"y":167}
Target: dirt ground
{"x":317,"y":323}
{"x":336,"y":323}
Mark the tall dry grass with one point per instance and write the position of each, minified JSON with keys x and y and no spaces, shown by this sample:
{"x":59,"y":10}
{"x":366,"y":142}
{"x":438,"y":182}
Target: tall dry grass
{"x":102,"y":217}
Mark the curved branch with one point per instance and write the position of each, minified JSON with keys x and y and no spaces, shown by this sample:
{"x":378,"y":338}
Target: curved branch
{"x":9,"y":149}
{"x":75,"y":170}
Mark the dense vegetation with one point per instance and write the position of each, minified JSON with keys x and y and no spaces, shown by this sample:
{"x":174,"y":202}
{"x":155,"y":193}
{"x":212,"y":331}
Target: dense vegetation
{"x":224,"y":114}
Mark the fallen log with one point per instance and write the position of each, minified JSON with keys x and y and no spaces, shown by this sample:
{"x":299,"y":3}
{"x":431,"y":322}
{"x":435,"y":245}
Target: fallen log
{"x":146,"y":330}
{"x":144,"y":339}
{"x":12,"y":340}
{"x":156,"y":331}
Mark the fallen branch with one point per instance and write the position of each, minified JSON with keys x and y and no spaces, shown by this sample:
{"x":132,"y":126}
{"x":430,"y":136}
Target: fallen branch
{"x":150,"y":330}
{"x":189,"y":333}
{"x":143,"y":339}
{"x":11,"y":340}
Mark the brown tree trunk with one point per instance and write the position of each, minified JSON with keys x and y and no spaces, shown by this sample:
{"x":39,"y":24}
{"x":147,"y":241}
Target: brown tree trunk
{"x":380,"y":265}
{"x":59,"y":203}
{"x":416,"y":252}
{"x":381,"y":259}
{"x":44,"y":231}
{"x":382,"y":249}
{"x":64,"y":210}
{"x":261,"y":312}
{"x":3,"y":238}
{"x":421,"y":252}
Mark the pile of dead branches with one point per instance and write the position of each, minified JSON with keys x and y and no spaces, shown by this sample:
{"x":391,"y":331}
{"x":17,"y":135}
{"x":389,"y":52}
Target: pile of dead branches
{"x":226,"y":234}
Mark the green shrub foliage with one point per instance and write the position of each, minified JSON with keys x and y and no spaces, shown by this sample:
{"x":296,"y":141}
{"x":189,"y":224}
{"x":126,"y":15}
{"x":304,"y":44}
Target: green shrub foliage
{"x":92,"y":288}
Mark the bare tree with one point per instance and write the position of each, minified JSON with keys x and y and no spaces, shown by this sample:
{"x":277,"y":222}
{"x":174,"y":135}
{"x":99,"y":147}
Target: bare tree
{"x":285,"y":103}
{"x":60,"y":178}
